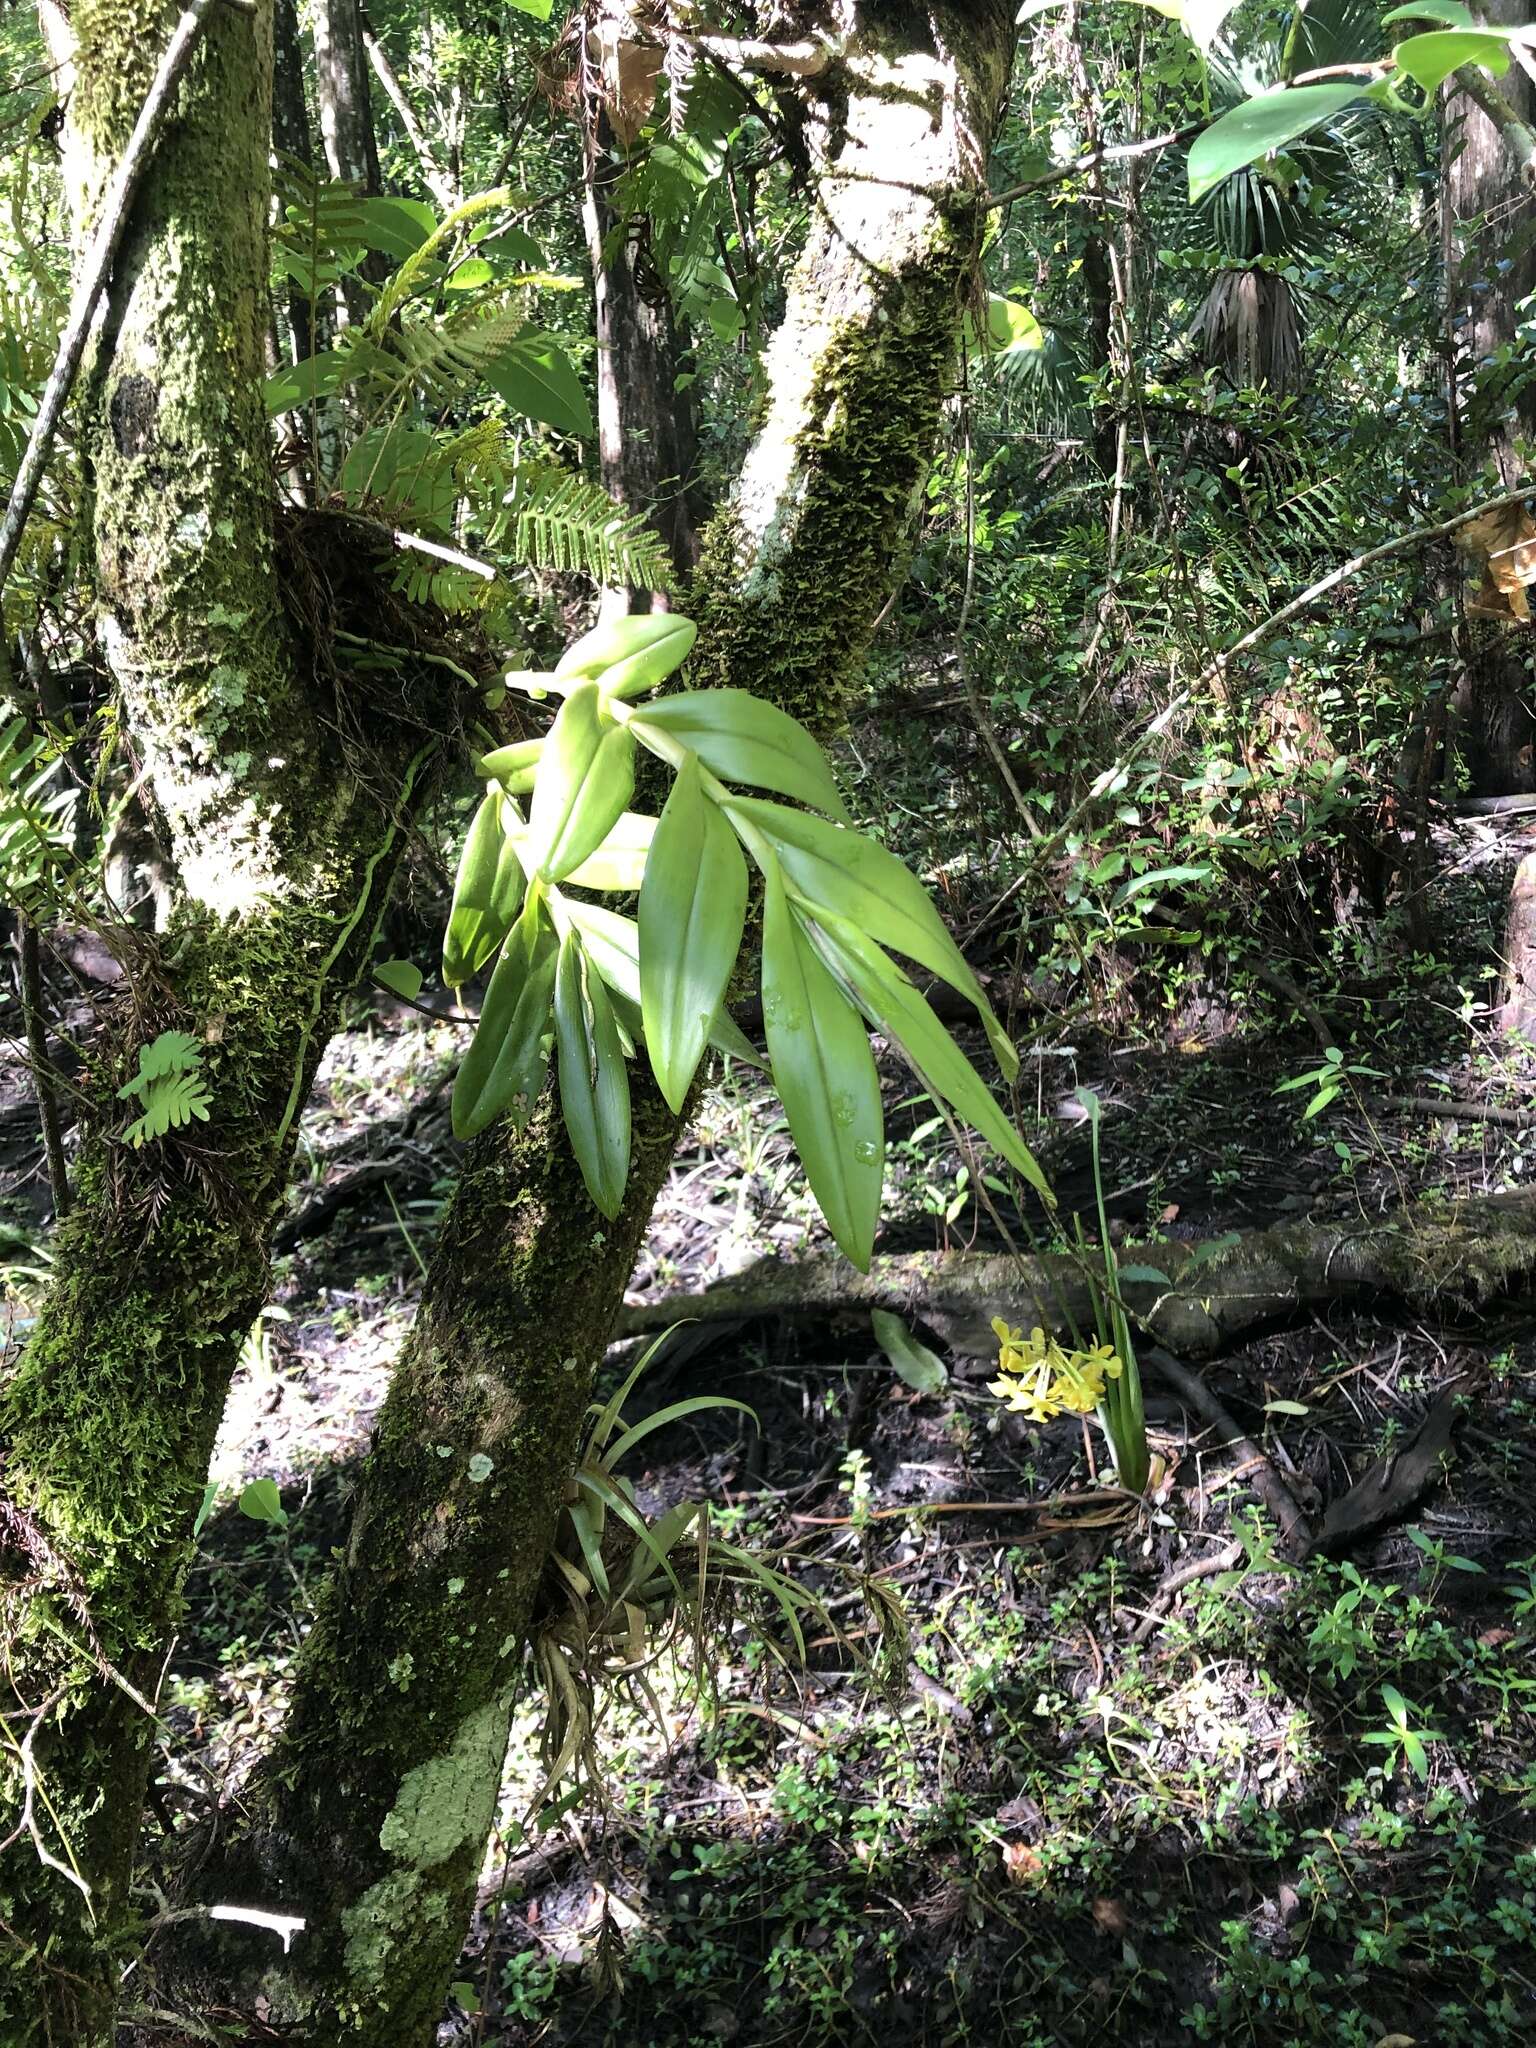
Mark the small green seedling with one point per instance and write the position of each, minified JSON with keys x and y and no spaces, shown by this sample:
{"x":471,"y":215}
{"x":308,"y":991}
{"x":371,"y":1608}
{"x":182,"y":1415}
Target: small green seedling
{"x":1328,"y":1081}
{"x":1437,"y":1560}
{"x":262,"y":1502}
{"x":1400,"y":1739}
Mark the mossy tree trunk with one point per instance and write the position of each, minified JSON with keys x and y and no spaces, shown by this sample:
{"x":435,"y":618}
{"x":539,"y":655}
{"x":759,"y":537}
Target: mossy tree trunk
{"x":378,"y":1806}
{"x":282,"y":856}
{"x":1489,"y":238}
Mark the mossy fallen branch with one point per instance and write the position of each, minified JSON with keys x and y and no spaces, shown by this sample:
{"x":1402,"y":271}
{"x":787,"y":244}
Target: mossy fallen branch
{"x":1461,"y":1253}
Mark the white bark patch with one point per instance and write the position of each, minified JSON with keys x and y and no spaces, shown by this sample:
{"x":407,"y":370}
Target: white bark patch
{"x":902,"y":135}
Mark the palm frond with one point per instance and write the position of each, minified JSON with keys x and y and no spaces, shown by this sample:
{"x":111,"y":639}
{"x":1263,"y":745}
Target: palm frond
{"x":1248,"y":326}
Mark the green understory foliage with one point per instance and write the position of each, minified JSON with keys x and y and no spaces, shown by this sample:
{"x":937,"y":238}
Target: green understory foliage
{"x":1222,"y":341}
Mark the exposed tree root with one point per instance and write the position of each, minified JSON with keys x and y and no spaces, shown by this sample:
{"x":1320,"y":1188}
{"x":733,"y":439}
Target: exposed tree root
{"x":1295,"y":1535}
{"x":1461,"y":1252}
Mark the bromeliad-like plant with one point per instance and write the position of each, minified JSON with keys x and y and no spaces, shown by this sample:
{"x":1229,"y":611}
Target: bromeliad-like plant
{"x":598,"y":984}
{"x":622,"y":1588}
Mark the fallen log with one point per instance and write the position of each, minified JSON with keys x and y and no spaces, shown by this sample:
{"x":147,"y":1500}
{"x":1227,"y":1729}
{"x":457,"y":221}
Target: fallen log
{"x":1207,"y":1299}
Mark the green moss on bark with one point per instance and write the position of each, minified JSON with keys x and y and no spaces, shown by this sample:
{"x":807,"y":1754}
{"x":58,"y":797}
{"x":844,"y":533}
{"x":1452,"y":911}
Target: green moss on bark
{"x":789,"y":616}
{"x":283,"y":860}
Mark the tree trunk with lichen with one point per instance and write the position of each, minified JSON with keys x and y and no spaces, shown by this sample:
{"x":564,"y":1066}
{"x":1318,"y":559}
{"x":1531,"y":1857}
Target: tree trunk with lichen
{"x":341,"y":81}
{"x":377,"y":1809}
{"x":282,"y":856}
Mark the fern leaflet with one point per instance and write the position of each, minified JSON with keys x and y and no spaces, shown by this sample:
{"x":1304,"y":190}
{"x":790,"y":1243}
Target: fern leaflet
{"x":35,"y":814}
{"x":169,"y":1087}
{"x":565,"y":522}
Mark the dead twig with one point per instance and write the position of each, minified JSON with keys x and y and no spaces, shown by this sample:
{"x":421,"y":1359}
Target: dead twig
{"x":1452,"y":1106}
{"x":1198,"y":1568}
{"x":1295,"y":1531}
{"x":1096,"y":1496}
{"x":1393,"y":1484}
{"x":1421,"y":536}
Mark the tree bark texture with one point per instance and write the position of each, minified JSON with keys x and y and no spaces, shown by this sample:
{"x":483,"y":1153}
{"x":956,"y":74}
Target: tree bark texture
{"x":1517,"y":978}
{"x":291,"y":138}
{"x":341,"y":78}
{"x":646,"y":433}
{"x":377,"y":1809}
{"x":283,"y":837}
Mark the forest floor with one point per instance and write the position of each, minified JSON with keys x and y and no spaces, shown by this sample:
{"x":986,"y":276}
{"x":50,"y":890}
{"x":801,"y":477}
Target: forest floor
{"x":1073,"y":1770}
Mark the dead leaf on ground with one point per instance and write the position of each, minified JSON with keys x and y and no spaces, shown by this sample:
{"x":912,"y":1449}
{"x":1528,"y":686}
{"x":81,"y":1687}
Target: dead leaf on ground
{"x":1390,"y":1486}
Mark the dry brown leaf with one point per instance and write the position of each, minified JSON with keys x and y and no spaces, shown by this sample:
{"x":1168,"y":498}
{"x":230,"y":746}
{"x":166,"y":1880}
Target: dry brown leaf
{"x":630,"y":71}
{"x":1502,"y":544}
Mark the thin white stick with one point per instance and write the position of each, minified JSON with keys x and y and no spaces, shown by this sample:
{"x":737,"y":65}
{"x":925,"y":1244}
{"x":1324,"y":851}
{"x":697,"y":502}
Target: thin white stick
{"x":93,"y":276}
{"x":284,"y":1925}
{"x":807,"y":59}
{"x":442,"y":554}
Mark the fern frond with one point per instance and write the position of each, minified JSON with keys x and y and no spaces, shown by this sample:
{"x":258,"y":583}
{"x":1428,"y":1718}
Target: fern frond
{"x":319,"y":234}
{"x":440,"y":358}
{"x":450,"y":589}
{"x":26,"y":356}
{"x":173,"y":1102}
{"x":169,"y":1085}
{"x":173,"y":1052}
{"x":567,"y":523}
